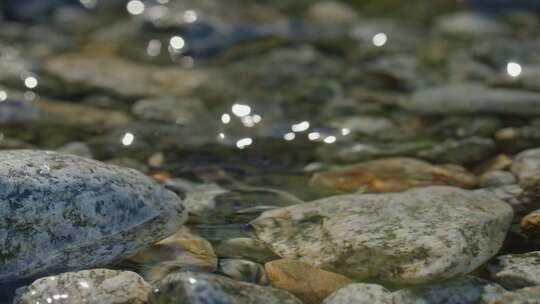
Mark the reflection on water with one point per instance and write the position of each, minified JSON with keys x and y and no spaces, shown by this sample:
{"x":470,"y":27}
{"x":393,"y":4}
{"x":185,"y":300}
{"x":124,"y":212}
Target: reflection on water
{"x":243,"y":107}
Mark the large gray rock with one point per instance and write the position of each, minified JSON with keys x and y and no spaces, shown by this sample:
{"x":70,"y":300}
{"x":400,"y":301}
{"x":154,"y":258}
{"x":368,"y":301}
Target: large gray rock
{"x":88,"y":286}
{"x":517,"y":270}
{"x":474,"y":98}
{"x":62,"y":212}
{"x":203,"y":288}
{"x":418,"y":236}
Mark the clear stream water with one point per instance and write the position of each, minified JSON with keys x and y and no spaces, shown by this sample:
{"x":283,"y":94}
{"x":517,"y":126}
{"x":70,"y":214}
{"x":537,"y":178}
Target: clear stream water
{"x":256,"y":97}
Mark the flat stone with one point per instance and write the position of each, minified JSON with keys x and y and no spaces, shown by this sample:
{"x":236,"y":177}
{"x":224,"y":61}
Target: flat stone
{"x":62,"y":212}
{"x":473,"y":99}
{"x":88,"y":286}
{"x":418,"y":236}
{"x":391,"y":175}
{"x":517,"y":270}
{"x":470,"y":24}
{"x":202,"y":288}
{"x":309,"y":284}
{"x":182,"y":111}
{"x":497,"y":179}
{"x":460,"y":151}
{"x":122,"y":77}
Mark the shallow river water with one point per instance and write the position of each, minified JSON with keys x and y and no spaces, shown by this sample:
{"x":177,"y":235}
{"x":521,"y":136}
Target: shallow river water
{"x":182,"y":151}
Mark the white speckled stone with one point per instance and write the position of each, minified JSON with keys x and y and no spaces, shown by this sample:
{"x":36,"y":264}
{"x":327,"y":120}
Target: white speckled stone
{"x":101,"y":286}
{"x":61,"y":212}
{"x":419,"y":236}
{"x":467,"y":290}
{"x":361,"y":293}
{"x":517,"y":270}
{"x":528,"y":295}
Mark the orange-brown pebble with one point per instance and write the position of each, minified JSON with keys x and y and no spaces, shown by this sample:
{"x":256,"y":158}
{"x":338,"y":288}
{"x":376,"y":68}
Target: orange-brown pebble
{"x":392,"y":175}
{"x":309,"y":284}
{"x":530,"y":224}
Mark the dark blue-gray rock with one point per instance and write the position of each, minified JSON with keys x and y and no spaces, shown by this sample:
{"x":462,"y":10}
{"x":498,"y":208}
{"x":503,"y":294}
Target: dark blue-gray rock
{"x":206,"y":288}
{"x":460,"y":151}
{"x":63,"y":213}
{"x":473,"y":99}
{"x":419,"y":236}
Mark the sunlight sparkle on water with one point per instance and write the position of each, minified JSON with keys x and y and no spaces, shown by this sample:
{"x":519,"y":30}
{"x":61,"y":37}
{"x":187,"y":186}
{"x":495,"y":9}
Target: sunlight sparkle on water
{"x":128,"y":139}
{"x":244,"y":142}
{"x":380,"y":39}
{"x":513,"y":69}
{"x":300,"y":127}
{"x":225,"y":118}
{"x":135,"y":7}
{"x":241,"y":110}
{"x":314,"y":135}
{"x":289,"y":136}
{"x":177,"y":43}
{"x":190,"y":16}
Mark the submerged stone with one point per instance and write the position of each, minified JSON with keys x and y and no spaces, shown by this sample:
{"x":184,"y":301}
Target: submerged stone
{"x":181,"y":251}
{"x":517,"y":270}
{"x":243,"y":270}
{"x":62,"y":212}
{"x":418,"y":236}
{"x":474,"y":98}
{"x":203,"y":288}
{"x":88,"y":286}
{"x":392,"y":175}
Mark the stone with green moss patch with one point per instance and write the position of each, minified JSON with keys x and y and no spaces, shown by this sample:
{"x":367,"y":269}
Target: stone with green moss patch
{"x":419,"y":236}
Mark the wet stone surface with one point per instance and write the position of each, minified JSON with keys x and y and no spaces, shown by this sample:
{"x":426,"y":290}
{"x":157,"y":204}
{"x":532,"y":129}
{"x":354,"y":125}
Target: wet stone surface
{"x":235,"y":151}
